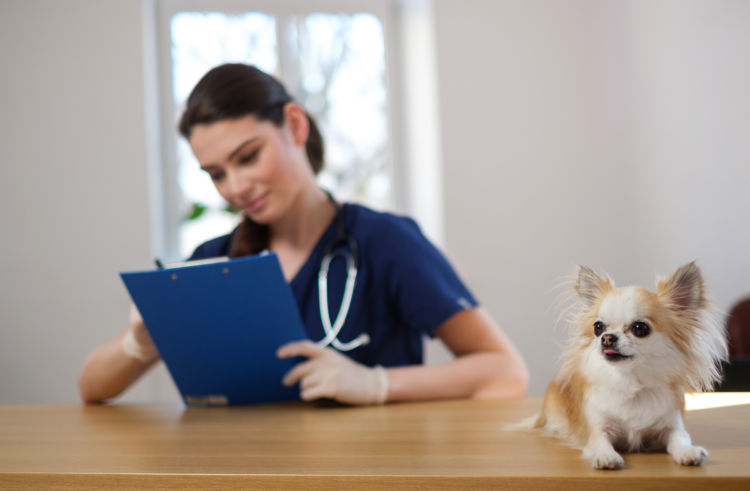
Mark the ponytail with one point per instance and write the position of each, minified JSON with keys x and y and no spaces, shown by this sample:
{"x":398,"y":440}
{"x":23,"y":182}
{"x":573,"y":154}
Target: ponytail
{"x":314,"y":146}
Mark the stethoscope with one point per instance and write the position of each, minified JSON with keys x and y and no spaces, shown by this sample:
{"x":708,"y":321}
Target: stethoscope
{"x":345,"y":246}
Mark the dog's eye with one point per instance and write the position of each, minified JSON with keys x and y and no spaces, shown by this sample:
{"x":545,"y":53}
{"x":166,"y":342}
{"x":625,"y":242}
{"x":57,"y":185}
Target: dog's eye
{"x":598,"y":328}
{"x":640,"y":329}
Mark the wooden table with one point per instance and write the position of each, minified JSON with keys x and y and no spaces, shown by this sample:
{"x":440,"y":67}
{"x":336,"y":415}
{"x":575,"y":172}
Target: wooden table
{"x":449,"y":444}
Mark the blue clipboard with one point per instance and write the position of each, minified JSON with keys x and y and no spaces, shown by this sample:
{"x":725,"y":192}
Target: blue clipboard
{"x":217,"y":327}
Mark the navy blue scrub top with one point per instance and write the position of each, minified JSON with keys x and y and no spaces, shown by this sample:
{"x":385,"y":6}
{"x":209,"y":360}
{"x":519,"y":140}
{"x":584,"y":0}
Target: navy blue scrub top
{"x":405,"y":287}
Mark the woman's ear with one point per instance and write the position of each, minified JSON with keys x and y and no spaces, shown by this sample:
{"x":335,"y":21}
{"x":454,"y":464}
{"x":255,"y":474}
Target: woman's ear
{"x":296,"y":120}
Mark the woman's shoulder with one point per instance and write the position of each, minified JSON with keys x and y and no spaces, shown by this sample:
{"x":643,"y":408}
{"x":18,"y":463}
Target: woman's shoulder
{"x":216,"y":247}
{"x":376,"y":222}
{"x":393,"y":233}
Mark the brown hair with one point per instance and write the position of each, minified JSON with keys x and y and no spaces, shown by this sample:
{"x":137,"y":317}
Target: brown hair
{"x":232,"y":91}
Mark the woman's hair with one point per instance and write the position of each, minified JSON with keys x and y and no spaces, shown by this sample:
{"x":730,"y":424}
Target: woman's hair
{"x":235,"y":90}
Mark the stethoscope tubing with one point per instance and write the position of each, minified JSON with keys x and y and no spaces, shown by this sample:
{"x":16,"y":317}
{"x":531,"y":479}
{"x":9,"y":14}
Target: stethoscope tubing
{"x":333,"y":329}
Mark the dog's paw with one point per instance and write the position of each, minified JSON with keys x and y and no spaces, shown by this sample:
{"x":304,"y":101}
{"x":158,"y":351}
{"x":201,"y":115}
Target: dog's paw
{"x":690,"y":455}
{"x":607,"y":460}
{"x":602,"y":455}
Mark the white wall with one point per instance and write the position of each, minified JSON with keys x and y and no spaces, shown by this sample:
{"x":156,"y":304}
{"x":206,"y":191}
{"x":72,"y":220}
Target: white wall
{"x":607,"y":133}
{"x":73,"y":187}
{"x":611,"y":134}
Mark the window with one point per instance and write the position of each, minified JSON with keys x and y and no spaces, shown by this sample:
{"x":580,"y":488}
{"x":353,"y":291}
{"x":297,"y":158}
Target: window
{"x":332,"y":60}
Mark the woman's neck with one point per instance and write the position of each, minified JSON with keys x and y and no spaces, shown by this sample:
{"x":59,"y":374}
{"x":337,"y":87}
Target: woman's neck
{"x":306,"y":220}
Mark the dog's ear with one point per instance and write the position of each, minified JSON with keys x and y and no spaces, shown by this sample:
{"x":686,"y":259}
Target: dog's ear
{"x":590,"y":286}
{"x":684,"y":290}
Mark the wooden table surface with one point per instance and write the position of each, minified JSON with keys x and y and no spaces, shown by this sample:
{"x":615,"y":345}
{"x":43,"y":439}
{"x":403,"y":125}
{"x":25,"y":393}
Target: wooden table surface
{"x":448,"y":444}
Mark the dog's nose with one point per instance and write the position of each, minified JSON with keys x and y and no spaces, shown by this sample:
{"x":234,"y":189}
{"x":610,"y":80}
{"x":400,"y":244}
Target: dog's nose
{"x":609,"y":340}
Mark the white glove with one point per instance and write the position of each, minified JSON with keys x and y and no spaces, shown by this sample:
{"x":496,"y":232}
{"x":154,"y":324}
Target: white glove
{"x":328,"y":373}
{"x":137,"y":342}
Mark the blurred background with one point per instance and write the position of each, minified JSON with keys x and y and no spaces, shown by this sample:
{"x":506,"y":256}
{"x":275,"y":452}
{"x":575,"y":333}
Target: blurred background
{"x":525,"y":136}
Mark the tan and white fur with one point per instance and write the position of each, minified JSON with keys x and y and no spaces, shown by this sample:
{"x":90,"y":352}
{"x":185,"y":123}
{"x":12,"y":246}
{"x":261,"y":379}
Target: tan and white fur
{"x":633,"y":356}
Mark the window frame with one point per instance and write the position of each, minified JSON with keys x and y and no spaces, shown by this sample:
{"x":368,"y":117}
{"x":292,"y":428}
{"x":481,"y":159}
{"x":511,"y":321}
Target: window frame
{"x":170,"y":197}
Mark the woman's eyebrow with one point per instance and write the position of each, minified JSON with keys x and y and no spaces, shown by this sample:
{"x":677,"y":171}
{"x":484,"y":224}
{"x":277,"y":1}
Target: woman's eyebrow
{"x":240,"y":147}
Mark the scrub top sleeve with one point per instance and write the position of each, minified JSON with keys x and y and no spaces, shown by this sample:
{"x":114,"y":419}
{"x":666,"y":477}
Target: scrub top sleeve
{"x":425,"y":287}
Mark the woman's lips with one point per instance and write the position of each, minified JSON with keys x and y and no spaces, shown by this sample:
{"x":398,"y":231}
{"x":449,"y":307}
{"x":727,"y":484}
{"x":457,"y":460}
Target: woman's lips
{"x":255,"y":204}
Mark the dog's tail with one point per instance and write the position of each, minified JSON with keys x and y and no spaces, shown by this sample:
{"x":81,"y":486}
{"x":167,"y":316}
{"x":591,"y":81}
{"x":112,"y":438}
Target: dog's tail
{"x":531,"y":423}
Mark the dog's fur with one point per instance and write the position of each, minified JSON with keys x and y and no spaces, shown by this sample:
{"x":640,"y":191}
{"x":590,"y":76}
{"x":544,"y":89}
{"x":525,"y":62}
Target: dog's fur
{"x":619,"y":389}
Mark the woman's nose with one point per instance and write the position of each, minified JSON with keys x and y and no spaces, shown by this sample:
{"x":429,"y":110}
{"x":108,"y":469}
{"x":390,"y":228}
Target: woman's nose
{"x":238,"y":184}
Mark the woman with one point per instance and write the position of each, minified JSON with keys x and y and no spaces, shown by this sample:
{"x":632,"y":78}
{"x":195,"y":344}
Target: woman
{"x":262,"y":152}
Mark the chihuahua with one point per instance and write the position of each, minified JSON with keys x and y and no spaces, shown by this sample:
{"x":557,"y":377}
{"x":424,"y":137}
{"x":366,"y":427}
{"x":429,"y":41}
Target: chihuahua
{"x":633,"y":356}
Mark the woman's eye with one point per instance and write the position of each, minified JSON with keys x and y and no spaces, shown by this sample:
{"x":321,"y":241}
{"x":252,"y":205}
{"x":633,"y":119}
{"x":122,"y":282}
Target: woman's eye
{"x":640,"y":329}
{"x":216,"y":176}
{"x":598,"y":328}
{"x":249,"y":157}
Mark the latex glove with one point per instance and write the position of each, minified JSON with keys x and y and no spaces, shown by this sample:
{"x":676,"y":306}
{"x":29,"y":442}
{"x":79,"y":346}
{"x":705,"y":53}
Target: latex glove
{"x":137,"y":342}
{"x":328,"y":373}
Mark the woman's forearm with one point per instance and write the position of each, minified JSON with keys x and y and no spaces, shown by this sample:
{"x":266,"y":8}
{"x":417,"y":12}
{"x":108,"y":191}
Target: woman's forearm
{"x":475,"y":375}
{"x":486,"y":364}
{"x":108,"y":371}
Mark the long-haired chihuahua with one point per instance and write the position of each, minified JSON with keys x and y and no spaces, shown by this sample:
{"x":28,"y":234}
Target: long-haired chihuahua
{"x":633,"y":356}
